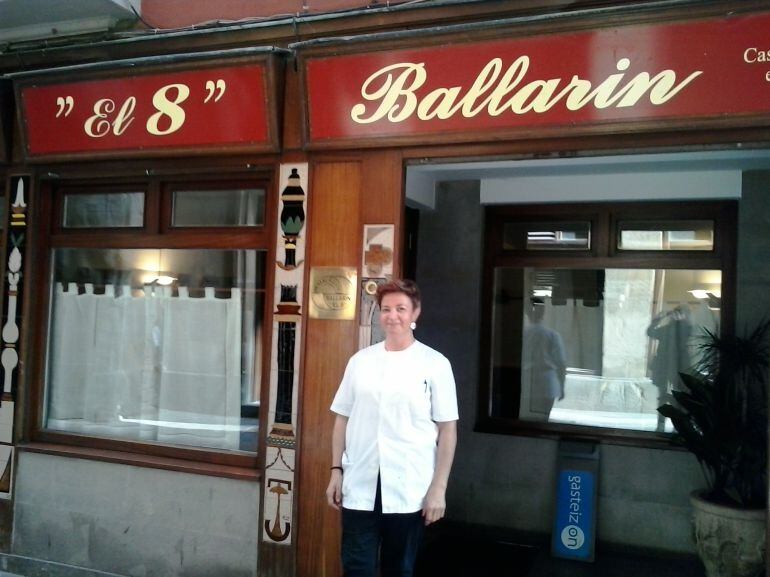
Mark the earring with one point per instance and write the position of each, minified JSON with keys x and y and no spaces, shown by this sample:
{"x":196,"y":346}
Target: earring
{"x":413,"y":325}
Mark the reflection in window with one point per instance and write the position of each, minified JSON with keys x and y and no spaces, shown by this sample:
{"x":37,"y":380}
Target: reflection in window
{"x":219,"y":207}
{"x":156,"y":345}
{"x":103,"y":210}
{"x":599,"y":347}
{"x":547,"y":235}
{"x":666,"y":235}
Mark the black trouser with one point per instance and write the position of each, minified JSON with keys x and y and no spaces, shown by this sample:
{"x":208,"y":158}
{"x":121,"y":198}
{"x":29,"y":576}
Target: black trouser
{"x":393,"y":537}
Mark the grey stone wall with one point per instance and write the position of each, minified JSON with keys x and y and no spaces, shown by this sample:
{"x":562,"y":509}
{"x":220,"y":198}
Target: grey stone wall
{"x":753,"y":250}
{"x":134,"y":521}
{"x":509,"y":481}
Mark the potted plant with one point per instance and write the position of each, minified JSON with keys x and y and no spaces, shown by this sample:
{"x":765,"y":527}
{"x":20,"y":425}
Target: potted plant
{"x":721,"y":417}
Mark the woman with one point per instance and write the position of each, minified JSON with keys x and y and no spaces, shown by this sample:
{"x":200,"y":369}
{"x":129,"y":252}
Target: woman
{"x":393,"y":441}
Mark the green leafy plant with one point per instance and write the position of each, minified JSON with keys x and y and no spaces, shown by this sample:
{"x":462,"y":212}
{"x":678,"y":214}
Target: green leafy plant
{"x":721,"y":416}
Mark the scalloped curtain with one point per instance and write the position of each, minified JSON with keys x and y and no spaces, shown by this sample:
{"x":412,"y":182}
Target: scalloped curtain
{"x":153,"y":367}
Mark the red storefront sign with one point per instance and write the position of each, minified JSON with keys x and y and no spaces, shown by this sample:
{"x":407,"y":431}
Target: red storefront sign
{"x":207,"y":108}
{"x":668,"y":74}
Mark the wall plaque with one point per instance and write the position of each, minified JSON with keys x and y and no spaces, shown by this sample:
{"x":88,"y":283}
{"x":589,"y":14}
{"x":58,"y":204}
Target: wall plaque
{"x":333,"y":292}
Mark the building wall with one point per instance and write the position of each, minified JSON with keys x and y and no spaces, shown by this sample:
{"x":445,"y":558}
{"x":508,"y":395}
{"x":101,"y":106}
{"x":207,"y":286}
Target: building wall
{"x":141,"y":521}
{"x":509,"y":481}
{"x":753,"y":248}
{"x":134,"y":521}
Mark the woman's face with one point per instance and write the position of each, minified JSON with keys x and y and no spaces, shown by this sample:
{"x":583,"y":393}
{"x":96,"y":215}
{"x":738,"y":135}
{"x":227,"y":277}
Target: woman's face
{"x":396,"y":314}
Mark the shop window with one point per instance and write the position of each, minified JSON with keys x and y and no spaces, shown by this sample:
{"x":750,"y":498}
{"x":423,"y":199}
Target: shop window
{"x":231,"y":207}
{"x":666,"y":235}
{"x":596,"y":341}
{"x":103,"y":210}
{"x":547,"y":236}
{"x":155,"y":338}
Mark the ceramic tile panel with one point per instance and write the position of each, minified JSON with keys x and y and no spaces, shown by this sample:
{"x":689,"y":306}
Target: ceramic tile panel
{"x":278,"y":484}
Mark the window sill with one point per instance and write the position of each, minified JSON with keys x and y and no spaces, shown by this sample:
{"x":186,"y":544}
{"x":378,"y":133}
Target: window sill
{"x":554,"y":431}
{"x":150,"y":461}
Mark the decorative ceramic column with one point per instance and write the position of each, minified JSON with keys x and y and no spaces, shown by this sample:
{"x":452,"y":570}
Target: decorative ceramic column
{"x":292,"y":218}
{"x":18,"y":187}
{"x":287,"y":313}
{"x":278,"y":488}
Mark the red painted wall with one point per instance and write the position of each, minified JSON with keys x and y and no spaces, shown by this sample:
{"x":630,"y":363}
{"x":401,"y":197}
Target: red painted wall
{"x":182,"y":13}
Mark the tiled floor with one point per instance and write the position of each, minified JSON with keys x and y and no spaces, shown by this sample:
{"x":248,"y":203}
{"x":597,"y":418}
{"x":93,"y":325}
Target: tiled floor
{"x":467,"y":556}
{"x":466,"y":551}
{"x":452,"y":550}
{"x":616,"y":564}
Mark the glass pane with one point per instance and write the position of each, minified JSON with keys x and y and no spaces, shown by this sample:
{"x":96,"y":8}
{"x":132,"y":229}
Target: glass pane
{"x":157,"y":345}
{"x":547,"y":236}
{"x":219,"y":207}
{"x":108,"y":210}
{"x":601,"y":347}
{"x":666,"y":235}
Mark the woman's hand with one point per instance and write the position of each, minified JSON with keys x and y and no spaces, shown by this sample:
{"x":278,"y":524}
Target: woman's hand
{"x":334,"y":490}
{"x":434,"y":504}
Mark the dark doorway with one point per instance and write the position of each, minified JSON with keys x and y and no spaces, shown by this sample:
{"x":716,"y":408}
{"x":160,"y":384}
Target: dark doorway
{"x":411,"y":230}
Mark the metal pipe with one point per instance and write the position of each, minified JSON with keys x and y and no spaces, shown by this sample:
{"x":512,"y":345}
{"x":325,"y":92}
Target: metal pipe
{"x":298,"y":19}
{"x":502,"y":22}
{"x":150,"y":60}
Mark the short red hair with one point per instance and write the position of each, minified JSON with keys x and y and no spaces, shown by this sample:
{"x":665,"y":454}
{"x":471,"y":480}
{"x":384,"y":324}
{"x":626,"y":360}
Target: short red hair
{"x":404,"y":286}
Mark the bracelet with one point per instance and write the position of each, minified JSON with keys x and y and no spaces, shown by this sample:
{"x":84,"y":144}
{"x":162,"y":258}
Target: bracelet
{"x":338,"y":468}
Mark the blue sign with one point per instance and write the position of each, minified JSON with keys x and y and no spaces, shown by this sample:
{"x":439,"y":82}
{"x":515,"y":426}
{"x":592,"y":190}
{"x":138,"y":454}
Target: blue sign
{"x":573,"y":535}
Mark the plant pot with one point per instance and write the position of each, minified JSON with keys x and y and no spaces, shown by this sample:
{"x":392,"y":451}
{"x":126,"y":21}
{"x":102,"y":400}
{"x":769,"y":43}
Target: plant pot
{"x":730,"y":541}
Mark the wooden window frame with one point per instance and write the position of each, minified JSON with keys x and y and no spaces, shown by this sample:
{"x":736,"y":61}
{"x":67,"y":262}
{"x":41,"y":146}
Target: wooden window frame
{"x":57,"y":216}
{"x":155,"y":234}
{"x":167,"y":206}
{"x":602,"y":254}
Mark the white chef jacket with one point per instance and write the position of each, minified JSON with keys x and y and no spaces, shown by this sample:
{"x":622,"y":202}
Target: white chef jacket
{"x":543,"y":361}
{"x":393,"y":400}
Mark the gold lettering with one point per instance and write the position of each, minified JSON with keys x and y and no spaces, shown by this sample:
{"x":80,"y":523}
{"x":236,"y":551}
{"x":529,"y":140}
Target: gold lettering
{"x":396,"y":96}
{"x":484,"y":81}
{"x":169,"y":109}
{"x":662,"y":87}
{"x":602,"y":95}
{"x":125,"y":116}
{"x":753,"y":55}
{"x":97,"y":125}
{"x":542,"y":103}
{"x":392,"y":92}
{"x":507,"y":83}
{"x":542,"y":100}
{"x":442,"y":99}
{"x":530,"y":95}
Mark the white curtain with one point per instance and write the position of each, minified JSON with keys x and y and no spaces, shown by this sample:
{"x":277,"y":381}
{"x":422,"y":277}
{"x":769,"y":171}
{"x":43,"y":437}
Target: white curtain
{"x":154,"y":367}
